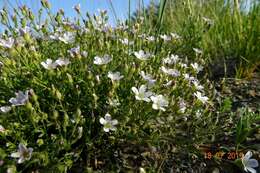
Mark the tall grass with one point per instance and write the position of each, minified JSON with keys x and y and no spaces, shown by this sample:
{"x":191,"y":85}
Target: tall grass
{"x":161,"y":12}
{"x":230,"y":35}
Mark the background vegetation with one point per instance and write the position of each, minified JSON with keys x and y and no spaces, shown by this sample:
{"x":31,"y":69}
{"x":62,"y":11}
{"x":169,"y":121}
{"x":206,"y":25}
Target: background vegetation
{"x":226,"y":30}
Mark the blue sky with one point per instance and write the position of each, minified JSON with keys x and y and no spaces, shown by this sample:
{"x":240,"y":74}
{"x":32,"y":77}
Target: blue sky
{"x":121,"y":6}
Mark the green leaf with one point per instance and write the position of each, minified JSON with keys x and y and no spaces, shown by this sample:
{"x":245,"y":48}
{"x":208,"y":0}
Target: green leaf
{"x":161,"y":12}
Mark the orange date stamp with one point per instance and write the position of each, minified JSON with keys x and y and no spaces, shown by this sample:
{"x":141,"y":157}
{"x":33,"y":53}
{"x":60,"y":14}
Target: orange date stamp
{"x":211,"y":152}
{"x":231,"y":155}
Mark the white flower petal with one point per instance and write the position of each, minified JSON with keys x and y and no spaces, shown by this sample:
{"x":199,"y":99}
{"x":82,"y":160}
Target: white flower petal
{"x":162,"y":109}
{"x":146,"y":99}
{"x":15,"y":155}
{"x":5,"y":109}
{"x":107,"y":117}
{"x":21,"y":160}
{"x":135,"y":90}
{"x":248,"y":155}
{"x":113,"y":128}
{"x":102,"y":121}
{"x":253,"y":163}
{"x":142,"y":89}
{"x":22,"y":148}
{"x":252,"y":170}
{"x":114,"y":122}
{"x":155,"y":106}
{"x":106,"y":129}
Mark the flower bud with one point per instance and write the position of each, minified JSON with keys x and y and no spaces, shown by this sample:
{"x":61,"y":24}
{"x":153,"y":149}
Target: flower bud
{"x":29,"y":106}
{"x":70,"y":78}
{"x":23,"y":22}
{"x":45,"y":4}
{"x":55,"y":114}
{"x":80,"y":132}
{"x":58,"y":94}
{"x":90,"y":75}
{"x":40,"y":142}
{"x":78,"y":116}
{"x":61,"y":11}
{"x":95,"y":99}
{"x":66,"y":121}
{"x":77,"y":8}
{"x":14,"y":18}
{"x":31,"y":16}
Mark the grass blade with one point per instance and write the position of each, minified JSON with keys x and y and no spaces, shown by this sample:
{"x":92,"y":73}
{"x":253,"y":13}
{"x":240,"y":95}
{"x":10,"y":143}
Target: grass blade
{"x":161,"y":12}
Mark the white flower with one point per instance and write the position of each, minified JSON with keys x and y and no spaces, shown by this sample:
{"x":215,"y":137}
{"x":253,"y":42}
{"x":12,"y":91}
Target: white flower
{"x":182,"y":105}
{"x":125,"y":41}
{"x":2,"y":129}
{"x":150,"y":38}
{"x":148,"y":78}
{"x":23,"y":153}
{"x":183,"y":65}
{"x":171,"y":60}
{"x":49,"y":64}
{"x":24,"y":30}
{"x":198,"y":51}
{"x":188,"y":77}
{"x":114,"y":76}
{"x":72,"y":25}
{"x":169,"y":71}
{"x":5,"y":109}
{"x":102,"y":60}
{"x":62,"y":62}
{"x":114,"y":102}
{"x":142,"y":94}
{"x":67,"y":37}
{"x":208,"y":21}
{"x":159,"y":102}
{"x":175,"y":36}
{"x":197,"y":85}
{"x":122,"y":26}
{"x":20,"y":99}
{"x":142,"y":55}
{"x":199,"y":96}
{"x":74,"y":51}
{"x":169,"y":83}
{"x":7,"y":43}
{"x":84,"y":53}
{"x":165,"y":37}
{"x":58,"y":34}
{"x":198,"y":114}
{"x":54,"y":36}
{"x":108,"y":123}
{"x":196,"y":67}
{"x":249,"y":164}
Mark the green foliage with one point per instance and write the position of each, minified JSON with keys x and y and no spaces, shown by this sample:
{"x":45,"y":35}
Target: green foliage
{"x":244,"y":126}
{"x":223,"y":31}
{"x":226,"y":105}
{"x":161,"y":12}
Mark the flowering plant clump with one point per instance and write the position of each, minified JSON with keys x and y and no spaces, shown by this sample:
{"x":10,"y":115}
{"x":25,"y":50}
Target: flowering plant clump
{"x":84,"y":90}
